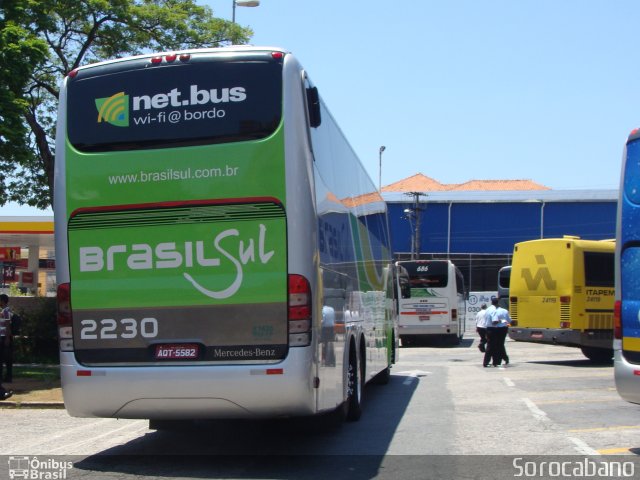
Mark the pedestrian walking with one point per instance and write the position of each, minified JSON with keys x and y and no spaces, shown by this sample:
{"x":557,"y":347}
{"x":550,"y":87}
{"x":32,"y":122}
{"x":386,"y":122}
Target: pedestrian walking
{"x":480,"y":327}
{"x":497,"y":321}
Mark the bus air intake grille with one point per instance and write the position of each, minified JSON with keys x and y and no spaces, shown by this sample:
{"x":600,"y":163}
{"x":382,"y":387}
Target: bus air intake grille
{"x":565,"y":312}
{"x":175,"y":215}
{"x":600,"y":321}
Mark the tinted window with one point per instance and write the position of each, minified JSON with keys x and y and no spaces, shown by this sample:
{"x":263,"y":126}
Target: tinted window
{"x":459,"y":283}
{"x":504,"y":278}
{"x":599,"y":269}
{"x":427,"y":275}
{"x":131,"y":105}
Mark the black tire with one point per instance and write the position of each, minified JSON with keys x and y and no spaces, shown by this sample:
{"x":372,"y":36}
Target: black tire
{"x":354,"y":388}
{"x":598,"y":355}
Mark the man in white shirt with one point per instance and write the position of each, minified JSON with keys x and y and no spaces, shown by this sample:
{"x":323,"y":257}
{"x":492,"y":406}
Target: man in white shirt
{"x":480,"y":327}
{"x":497,"y":321}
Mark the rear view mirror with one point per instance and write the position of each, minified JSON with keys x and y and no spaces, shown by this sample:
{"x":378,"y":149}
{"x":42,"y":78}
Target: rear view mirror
{"x":313,"y":103}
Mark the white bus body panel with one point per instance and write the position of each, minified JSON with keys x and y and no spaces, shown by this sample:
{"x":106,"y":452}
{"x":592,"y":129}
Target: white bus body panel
{"x":231,"y":391}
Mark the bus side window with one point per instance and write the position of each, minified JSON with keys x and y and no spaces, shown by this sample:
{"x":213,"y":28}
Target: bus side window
{"x":403,"y":280}
{"x":460,"y":284}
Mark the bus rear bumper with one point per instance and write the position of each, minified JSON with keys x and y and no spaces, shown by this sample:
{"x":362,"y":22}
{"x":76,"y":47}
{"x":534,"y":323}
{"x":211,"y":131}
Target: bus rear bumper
{"x":627,"y":376}
{"x":190,"y":392}
{"x":418,"y":330}
{"x":563,"y":336}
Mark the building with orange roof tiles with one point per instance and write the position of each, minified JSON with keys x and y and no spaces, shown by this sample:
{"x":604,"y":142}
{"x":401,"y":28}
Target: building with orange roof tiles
{"x":476,"y":223}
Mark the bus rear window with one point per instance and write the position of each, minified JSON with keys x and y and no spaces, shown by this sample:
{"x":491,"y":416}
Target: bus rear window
{"x":599,"y":269}
{"x":428,"y":275}
{"x":131,"y":105}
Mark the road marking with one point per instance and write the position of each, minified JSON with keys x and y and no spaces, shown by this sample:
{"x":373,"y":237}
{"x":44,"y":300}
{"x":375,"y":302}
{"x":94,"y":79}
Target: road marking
{"x":537,"y":413}
{"x":509,"y":382}
{"x":604,"y":429}
{"x":614,"y":451}
{"x":540,"y":391}
{"x":595,"y":400}
{"x":413,"y":374}
{"x":129,"y":430}
{"x":536,"y":375}
{"x":581,"y":447}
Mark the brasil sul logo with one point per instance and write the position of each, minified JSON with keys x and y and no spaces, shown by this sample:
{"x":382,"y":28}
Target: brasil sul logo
{"x":114,"y":109}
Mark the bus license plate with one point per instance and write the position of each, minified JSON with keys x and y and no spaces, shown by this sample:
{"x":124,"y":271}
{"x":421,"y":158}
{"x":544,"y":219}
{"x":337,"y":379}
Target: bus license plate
{"x":423,"y":318}
{"x":181,"y":351}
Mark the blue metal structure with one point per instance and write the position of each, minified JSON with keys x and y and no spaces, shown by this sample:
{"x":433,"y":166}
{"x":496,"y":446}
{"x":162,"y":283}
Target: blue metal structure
{"x":492,"y":222}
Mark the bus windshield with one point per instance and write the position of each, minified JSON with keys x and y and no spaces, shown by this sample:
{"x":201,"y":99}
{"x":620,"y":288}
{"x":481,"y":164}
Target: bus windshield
{"x":206,"y":100}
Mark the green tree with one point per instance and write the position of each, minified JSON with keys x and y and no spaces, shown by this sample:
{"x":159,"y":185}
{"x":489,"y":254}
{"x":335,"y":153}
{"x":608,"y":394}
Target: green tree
{"x":42,"y":40}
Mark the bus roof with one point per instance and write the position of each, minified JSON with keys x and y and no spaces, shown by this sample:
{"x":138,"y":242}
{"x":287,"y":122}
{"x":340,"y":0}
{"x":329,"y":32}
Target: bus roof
{"x":576,"y":242}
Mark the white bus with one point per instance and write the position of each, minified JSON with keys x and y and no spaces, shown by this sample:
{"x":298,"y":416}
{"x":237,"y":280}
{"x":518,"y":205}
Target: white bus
{"x":221,"y":250}
{"x":432,"y":300}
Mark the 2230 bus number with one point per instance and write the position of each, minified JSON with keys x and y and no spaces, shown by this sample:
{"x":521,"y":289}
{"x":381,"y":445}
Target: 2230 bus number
{"x":107,"y":328}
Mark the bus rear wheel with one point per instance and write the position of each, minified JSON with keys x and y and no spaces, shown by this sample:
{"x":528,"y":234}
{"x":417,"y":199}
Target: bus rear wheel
{"x":598,"y":355}
{"x":354,"y":388}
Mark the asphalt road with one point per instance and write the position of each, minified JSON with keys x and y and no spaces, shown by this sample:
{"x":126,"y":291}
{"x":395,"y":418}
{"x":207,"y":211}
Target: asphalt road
{"x":441,"y":408}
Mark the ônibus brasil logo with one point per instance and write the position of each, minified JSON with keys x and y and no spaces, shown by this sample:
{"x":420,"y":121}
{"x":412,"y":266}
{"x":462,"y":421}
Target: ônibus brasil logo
{"x":115,"y":109}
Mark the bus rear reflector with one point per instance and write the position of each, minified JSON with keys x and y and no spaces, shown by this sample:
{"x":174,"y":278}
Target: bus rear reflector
{"x":64,"y":304}
{"x":299,"y":311}
{"x":65,"y":329}
{"x":617,"y":320}
{"x":565,"y":324}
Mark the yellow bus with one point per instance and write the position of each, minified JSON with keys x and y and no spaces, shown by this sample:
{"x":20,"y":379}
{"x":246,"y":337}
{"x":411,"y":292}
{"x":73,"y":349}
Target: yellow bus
{"x":562,"y":292}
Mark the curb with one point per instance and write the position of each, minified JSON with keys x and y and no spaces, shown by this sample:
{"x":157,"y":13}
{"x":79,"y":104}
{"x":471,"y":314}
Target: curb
{"x":41,"y":405}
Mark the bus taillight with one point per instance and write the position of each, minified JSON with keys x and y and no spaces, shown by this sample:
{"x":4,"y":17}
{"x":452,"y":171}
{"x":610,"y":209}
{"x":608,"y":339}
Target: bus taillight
{"x":617,"y":320}
{"x":565,"y":299}
{"x":65,"y":330}
{"x":299,"y":311}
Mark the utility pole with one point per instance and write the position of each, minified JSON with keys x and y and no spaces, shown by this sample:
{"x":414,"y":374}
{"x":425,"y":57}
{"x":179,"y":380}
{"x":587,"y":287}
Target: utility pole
{"x":415,"y":244}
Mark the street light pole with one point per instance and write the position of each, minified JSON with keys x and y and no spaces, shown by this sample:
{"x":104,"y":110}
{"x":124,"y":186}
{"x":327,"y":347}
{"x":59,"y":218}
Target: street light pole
{"x":415,"y":213}
{"x":243,"y":3}
{"x":382,"y":149}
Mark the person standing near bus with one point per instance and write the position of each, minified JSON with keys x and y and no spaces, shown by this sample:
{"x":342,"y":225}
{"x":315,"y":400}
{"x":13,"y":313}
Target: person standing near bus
{"x":5,"y":338}
{"x":497,"y":322}
{"x":480,"y":327}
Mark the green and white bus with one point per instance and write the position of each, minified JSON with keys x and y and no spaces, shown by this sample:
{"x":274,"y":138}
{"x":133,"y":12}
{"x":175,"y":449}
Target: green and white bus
{"x":221,"y":251}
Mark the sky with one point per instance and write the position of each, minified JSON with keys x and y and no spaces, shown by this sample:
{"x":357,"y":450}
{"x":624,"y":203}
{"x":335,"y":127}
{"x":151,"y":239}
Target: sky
{"x":458,"y":90}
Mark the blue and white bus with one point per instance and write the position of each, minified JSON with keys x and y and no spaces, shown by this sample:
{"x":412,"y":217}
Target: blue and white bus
{"x":626,"y":343}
